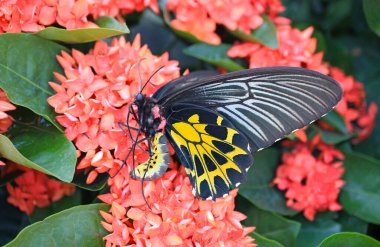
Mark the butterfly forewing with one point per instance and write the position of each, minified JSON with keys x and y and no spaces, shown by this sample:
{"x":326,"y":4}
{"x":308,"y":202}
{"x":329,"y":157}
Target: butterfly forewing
{"x":263,"y":104}
{"x":215,"y":155}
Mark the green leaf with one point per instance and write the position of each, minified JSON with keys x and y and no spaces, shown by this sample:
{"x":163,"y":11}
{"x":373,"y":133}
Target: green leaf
{"x":44,"y":149}
{"x":332,"y":137}
{"x":213,"y":54}
{"x":335,"y":120}
{"x":360,"y":196}
{"x":326,"y":224}
{"x":112,"y":23}
{"x":350,"y":223}
{"x":263,"y":241}
{"x":27,"y":63}
{"x":258,"y":189}
{"x":313,"y":233}
{"x":371,"y":11}
{"x":265,"y":34}
{"x":98,"y":184}
{"x":77,"y":226}
{"x":349,"y":239}
{"x":55,"y":207}
{"x":108,"y":27}
{"x":269,"y":225}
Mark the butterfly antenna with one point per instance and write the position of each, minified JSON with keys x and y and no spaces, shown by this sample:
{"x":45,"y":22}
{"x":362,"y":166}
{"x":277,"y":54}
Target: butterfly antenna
{"x":154,"y":73}
{"x":139,"y":71}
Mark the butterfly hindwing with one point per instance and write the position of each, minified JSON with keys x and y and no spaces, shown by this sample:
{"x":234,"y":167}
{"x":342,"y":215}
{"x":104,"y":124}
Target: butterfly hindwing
{"x":215,"y":155}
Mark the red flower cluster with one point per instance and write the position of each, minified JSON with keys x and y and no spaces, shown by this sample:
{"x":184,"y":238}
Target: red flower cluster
{"x":296,"y":48}
{"x":95,"y":93}
{"x":93,"y":96}
{"x":34,"y":15}
{"x":200,"y":17}
{"x":176,"y":217}
{"x":353,"y":106}
{"x":33,"y":188}
{"x":312,"y":182}
{"x":5,"y":120}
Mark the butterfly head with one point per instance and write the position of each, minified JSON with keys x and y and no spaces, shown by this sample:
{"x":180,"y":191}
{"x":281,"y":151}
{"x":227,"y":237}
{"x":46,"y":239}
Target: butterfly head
{"x":139,"y":99}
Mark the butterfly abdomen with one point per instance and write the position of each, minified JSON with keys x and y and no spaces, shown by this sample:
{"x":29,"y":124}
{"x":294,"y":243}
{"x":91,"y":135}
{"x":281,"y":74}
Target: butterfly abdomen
{"x":158,"y":162}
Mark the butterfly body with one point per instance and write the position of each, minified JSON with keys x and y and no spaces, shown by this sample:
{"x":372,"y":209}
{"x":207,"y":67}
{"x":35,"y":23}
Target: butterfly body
{"x":158,"y":162}
{"x":148,"y":121}
{"x":216,"y":122}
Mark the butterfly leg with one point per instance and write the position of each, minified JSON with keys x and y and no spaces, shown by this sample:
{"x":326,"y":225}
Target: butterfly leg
{"x":122,"y":126}
{"x":143,"y":178}
{"x":127,"y":156}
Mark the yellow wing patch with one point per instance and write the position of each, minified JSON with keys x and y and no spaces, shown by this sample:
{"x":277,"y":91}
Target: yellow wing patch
{"x":215,"y":154}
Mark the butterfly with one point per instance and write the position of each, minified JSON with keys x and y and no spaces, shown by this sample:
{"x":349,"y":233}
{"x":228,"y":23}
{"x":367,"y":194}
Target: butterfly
{"x":215,"y":123}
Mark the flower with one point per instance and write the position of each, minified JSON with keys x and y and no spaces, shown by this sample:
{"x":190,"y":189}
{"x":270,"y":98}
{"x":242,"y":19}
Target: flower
{"x":34,"y":15}
{"x":295,"y":48}
{"x":93,"y":99}
{"x":5,"y":120}
{"x":312,"y":182}
{"x":33,"y":188}
{"x":200,"y":17}
{"x":116,"y":8}
{"x":176,"y":216}
{"x":94,"y":96}
{"x":353,"y":107}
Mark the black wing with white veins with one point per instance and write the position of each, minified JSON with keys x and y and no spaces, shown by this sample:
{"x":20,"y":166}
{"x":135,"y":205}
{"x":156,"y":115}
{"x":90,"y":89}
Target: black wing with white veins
{"x":264,"y":104}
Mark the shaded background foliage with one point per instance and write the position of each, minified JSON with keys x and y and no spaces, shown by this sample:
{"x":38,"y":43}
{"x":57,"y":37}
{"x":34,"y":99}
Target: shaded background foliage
{"x":344,"y":35}
{"x":348,"y":42}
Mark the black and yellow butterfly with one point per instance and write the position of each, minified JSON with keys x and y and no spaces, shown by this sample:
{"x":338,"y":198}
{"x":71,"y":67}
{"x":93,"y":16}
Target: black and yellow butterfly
{"x":216,"y":122}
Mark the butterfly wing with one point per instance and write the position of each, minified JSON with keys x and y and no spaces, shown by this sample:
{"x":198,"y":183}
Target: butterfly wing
{"x":215,"y":155}
{"x":264,"y":104}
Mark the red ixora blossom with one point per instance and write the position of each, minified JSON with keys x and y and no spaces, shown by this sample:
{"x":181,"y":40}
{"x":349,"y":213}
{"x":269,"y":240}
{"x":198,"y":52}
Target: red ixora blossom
{"x":176,"y":217}
{"x":312,"y":182}
{"x":353,"y":107}
{"x":200,"y":17}
{"x":33,"y":188}
{"x":34,"y":15}
{"x":94,"y":96}
{"x":296,"y":48}
{"x":5,"y":120}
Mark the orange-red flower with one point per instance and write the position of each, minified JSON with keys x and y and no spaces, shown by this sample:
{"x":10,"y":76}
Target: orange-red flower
{"x":200,"y":17}
{"x":94,"y":96}
{"x":116,"y":8}
{"x":353,"y":107}
{"x":33,"y":188}
{"x":312,"y":182}
{"x":176,"y":217}
{"x":5,"y":120}
{"x":296,"y":48}
{"x":34,"y":15}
